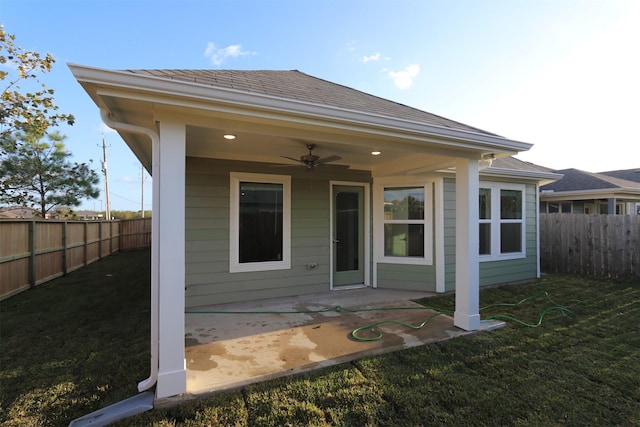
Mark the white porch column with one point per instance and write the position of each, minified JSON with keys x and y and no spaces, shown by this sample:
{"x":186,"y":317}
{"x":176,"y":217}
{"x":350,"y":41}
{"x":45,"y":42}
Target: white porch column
{"x":168,"y":211}
{"x":467,"y":311}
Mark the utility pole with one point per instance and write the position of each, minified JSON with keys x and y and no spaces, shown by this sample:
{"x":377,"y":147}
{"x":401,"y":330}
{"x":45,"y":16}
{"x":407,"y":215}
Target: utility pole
{"x":142,"y":192}
{"x":106,"y":179}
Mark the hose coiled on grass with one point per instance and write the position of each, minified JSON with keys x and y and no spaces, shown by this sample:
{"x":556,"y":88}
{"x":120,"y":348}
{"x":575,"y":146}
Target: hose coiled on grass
{"x":377,"y":334}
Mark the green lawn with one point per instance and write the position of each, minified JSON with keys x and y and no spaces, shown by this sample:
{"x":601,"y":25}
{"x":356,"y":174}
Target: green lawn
{"x":80,"y":343}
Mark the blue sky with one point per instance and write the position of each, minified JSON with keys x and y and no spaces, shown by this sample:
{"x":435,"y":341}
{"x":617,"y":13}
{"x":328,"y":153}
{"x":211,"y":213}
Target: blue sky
{"x":561,"y":74}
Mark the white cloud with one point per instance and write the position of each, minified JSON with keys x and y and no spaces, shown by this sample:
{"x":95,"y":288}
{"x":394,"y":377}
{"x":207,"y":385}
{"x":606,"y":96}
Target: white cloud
{"x":404,"y":79}
{"x":376,"y":56}
{"x":350,"y":46}
{"x":218,"y":55}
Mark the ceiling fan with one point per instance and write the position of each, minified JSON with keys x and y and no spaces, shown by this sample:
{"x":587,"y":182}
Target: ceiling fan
{"x":311,"y":161}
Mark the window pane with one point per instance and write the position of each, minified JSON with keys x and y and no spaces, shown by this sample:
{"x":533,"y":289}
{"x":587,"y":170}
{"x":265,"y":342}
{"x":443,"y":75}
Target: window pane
{"x":261,"y":222}
{"x":485,"y":203}
{"x":404,"y":203}
{"x":554,"y":208}
{"x":510,"y":238}
{"x":347,"y":231}
{"x":485,"y":239}
{"x":510,"y":204}
{"x":404,"y":240}
{"x":566,"y":208}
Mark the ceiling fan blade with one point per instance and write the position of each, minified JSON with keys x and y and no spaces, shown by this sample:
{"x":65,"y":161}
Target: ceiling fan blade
{"x":326,"y":165}
{"x":291,"y":158}
{"x":330,"y":159}
{"x":286,"y":166}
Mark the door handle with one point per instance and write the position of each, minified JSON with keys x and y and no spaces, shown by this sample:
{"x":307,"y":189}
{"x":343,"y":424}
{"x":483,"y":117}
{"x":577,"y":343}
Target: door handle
{"x":336,"y":241}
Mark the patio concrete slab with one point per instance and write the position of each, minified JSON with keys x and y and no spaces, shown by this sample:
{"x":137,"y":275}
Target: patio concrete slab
{"x":232,"y":345}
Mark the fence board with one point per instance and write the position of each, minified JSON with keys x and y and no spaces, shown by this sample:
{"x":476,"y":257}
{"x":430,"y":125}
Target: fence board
{"x":136,"y":233}
{"x":601,"y":245}
{"x":33,"y":252}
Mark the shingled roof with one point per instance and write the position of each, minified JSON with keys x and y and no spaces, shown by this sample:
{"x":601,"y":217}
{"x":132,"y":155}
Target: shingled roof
{"x":295,"y":85}
{"x":628,"y":174}
{"x":511,"y":163}
{"x":578,"y":180}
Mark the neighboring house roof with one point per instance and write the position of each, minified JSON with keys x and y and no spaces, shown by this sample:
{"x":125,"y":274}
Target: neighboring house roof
{"x":581,"y":185}
{"x":17,"y":212}
{"x":578,"y":180}
{"x":628,"y":174}
{"x":299,"y":86}
{"x":88,"y":214}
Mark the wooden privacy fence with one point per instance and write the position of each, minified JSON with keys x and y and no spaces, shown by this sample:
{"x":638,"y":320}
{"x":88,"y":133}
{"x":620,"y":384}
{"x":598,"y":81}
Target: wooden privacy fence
{"x":33,"y":252}
{"x":599,"y":245}
{"x":135,"y":234}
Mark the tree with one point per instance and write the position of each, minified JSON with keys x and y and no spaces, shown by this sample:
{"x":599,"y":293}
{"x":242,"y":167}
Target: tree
{"x":38,"y":174}
{"x":32,"y":112}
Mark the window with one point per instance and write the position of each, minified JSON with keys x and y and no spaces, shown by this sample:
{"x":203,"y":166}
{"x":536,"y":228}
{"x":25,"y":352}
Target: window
{"x":404,"y":213}
{"x":501,"y":221}
{"x":404,"y":222}
{"x":485,"y":221}
{"x":260,"y":226}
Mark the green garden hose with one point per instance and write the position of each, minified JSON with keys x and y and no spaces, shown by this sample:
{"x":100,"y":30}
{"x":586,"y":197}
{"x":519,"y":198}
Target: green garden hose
{"x":377,"y":334}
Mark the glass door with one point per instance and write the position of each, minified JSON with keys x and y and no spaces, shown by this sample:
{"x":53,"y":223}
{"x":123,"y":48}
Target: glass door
{"x":348,"y":235}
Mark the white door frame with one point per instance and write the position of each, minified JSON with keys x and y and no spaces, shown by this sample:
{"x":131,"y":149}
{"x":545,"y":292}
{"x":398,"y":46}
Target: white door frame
{"x":367,"y":232}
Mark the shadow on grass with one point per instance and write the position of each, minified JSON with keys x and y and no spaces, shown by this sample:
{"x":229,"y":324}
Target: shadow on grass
{"x":77,"y":343}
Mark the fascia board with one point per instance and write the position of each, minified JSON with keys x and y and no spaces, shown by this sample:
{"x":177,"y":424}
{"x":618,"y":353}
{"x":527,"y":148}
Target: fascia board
{"x":540,"y":176}
{"x":172,"y":90}
{"x":604,"y":193}
{"x":512,"y":173}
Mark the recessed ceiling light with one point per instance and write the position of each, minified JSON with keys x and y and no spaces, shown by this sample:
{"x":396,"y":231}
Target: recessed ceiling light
{"x":376,"y":153}
{"x":229,"y":136}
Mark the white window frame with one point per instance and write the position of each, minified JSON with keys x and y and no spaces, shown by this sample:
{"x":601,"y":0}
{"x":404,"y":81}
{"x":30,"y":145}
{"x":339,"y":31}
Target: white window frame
{"x":378,"y":217}
{"x":496,"y":221}
{"x":235,"y":266}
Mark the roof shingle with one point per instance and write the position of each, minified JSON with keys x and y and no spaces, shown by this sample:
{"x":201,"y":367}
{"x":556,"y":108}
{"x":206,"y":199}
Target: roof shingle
{"x":576,"y":180}
{"x":295,"y":85}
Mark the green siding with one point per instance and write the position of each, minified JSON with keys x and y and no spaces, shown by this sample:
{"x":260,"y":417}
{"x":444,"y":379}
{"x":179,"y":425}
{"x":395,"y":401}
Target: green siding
{"x":407,"y":276}
{"x":492,"y":272}
{"x":208,"y":279}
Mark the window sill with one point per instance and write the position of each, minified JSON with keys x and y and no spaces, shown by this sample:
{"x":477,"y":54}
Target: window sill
{"x":259,"y":266}
{"x":502,"y":257}
{"x":404,"y":260}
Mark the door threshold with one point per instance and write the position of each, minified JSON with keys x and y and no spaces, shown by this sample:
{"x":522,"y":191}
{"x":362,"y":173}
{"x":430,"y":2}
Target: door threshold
{"x":346,"y":287}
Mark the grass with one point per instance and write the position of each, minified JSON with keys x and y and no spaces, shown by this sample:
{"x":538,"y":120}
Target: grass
{"x":81,"y":343}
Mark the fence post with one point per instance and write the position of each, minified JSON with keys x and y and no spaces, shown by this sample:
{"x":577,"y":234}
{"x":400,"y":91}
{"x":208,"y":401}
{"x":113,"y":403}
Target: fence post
{"x":32,"y":254}
{"x":64,"y":248}
{"x":99,"y":240}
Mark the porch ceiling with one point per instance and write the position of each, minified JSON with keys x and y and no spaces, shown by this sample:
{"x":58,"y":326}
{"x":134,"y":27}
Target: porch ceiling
{"x":269,"y":148}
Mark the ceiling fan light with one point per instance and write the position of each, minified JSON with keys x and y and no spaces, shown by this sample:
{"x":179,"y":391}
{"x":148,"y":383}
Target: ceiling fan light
{"x":229,"y":136}
{"x":376,"y":153}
